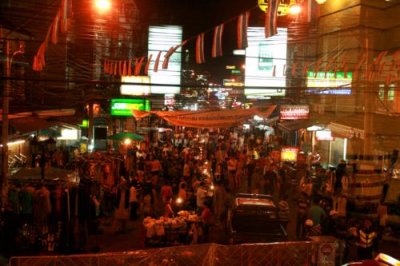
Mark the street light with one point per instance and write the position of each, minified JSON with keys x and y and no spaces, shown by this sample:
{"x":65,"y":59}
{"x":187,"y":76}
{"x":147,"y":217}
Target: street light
{"x":43,"y":148}
{"x":102,"y":6}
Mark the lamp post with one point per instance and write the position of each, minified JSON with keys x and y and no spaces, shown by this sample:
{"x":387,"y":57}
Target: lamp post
{"x":43,"y":148}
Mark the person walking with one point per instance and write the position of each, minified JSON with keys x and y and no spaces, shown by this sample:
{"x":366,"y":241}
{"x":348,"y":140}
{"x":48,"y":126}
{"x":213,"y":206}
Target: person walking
{"x":303,"y":204}
{"x":133,"y":202}
{"x":122,"y":211}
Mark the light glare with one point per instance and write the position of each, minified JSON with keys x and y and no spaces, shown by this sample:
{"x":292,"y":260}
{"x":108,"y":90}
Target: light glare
{"x":103,"y":5}
{"x":295,"y":10}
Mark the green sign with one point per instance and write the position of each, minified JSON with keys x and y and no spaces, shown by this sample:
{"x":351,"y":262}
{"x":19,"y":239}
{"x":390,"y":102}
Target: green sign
{"x":124,"y":107}
{"x":85,"y":123}
{"x":330,"y":75}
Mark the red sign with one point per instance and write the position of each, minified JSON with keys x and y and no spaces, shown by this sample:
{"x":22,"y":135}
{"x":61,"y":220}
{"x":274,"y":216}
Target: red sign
{"x":294,"y":112}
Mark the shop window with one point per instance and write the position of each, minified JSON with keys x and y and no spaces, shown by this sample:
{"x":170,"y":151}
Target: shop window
{"x":381,"y":92}
{"x":391,"y":92}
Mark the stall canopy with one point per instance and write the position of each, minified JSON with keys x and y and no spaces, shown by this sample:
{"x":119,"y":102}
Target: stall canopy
{"x":208,"y":118}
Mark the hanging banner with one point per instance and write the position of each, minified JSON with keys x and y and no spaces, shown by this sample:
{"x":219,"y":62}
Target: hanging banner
{"x":294,"y":112}
{"x":207,"y":118}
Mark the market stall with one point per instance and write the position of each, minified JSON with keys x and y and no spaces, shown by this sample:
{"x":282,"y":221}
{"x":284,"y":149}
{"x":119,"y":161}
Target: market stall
{"x":184,"y":229}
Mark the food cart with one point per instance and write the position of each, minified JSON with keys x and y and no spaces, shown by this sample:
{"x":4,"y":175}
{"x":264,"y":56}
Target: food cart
{"x":184,"y":229}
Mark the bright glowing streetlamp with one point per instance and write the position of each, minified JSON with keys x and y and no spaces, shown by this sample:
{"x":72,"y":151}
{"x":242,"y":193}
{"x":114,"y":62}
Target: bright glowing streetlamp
{"x":102,"y":6}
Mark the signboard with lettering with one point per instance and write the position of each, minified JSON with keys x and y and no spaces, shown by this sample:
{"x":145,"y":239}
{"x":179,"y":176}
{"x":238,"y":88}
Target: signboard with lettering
{"x":124,"y":107}
{"x":294,"y":112}
{"x":323,"y":135}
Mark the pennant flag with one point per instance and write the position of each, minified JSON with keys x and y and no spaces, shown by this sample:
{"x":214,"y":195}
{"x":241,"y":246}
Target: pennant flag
{"x":317,"y":67}
{"x":305,"y":68}
{"x":169,"y":53}
{"x":124,"y":70}
{"x":115,"y":68}
{"x":138,"y":66}
{"x":379,"y":58}
{"x":54,"y":29}
{"x":217,"y":41}
{"x":129,"y":67}
{"x":242,"y":24}
{"x":157,"y":62}
{"x":270,"y":18}
{"x":146,"y":67}
{"x":64,"y":16}
{"x":200,"y":49}
{"x":39,"y":61}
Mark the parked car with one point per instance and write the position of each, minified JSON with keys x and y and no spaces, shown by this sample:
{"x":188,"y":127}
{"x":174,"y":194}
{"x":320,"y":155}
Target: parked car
{"x":253,"y":218}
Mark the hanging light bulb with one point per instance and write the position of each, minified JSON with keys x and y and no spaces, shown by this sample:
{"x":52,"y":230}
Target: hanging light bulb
{"x":320,"y":2}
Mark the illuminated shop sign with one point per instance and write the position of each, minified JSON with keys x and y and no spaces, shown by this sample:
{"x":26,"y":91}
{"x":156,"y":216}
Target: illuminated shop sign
{"x":265,"y":64}
{"x":289,"y":154}
{"x":329,"y":83}
{"x":283,"y":9}
{"x":85,"y":123}
{"x":135,"y":89}
{"x":323,"y":135}
{"x":294,"y":112}
{"x":124,"y":107}
{"x":162,"y":38}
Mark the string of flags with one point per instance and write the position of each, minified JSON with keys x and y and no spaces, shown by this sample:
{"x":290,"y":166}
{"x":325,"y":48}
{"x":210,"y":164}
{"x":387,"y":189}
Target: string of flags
{"x":140,"y":66}
{"x":60,"y":24}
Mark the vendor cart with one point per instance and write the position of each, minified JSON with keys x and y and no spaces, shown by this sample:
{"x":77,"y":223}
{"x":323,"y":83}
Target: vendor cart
{"x":165,"y":232}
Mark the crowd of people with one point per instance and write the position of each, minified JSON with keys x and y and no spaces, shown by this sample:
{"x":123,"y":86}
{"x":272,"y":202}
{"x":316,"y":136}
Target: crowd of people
{"x":201,"y":172}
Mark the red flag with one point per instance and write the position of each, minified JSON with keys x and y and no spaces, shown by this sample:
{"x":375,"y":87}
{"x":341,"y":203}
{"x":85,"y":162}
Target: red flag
{"x":271,"y":15}
{"x":242,"y":24}
{"x":169,"y":53}
{"x":146,"y":67}
{"x":317,"y":67}
{"x":124,"y":69}
{"x":157,"y":62}
{"x":305,"y":68}
{"x":54,"y":29}
{"x":39,"y":59}
{"x":379,"y":58}
{"x":138,"y":66}
{"x":217,"y":41}
{"x":64,"y":16}
{"x":115,"y":68}
{"x":200,"y":49}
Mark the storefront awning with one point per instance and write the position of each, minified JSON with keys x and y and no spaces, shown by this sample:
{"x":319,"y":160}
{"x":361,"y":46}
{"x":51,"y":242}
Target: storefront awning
{"x":29,"y":124}
{"x":292,"y":125}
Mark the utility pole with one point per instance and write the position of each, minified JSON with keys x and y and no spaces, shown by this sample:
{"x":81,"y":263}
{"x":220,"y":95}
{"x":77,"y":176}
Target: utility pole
{"x":4,"y":128}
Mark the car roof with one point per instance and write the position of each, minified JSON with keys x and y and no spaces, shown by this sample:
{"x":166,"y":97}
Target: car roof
{"x":254,"y":200}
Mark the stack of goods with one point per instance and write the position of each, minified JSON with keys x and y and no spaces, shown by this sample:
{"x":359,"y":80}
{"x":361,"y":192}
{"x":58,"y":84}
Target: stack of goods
{"x":160,"y":227}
